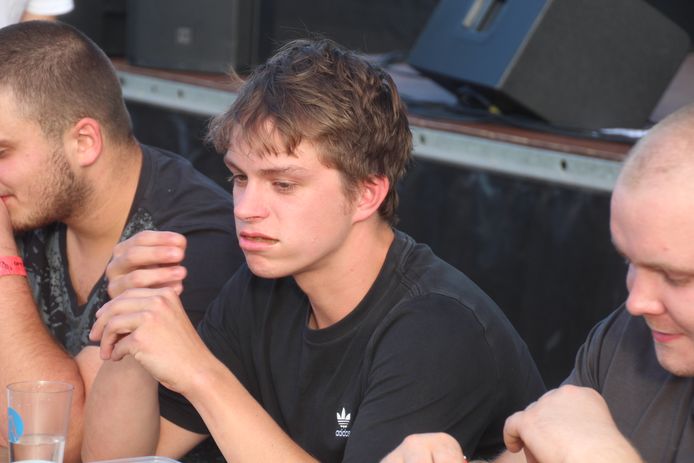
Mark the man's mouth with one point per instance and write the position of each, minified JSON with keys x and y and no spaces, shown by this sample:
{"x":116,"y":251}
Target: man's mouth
{"x":663,"y":338}
{"x":260,"y":239}
{"x":257,"y":238}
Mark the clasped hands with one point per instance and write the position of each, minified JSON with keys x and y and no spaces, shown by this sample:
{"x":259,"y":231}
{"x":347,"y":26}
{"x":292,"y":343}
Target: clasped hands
{"x":145,"y":317}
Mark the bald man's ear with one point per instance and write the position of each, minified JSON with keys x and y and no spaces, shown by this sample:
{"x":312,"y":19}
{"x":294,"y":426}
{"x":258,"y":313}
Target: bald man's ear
{"x":85,"y":141}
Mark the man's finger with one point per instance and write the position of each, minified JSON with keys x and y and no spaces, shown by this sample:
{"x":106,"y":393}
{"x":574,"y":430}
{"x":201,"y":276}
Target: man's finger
{"x":157,"y":277}
{"x":158,"y":238}
{"x":117,"y":328}
{"x":512,"y":438}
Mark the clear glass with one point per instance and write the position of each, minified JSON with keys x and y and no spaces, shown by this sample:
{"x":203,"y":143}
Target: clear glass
{"x":38,"y":413}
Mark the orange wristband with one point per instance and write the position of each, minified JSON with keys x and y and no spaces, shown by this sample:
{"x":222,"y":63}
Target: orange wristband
{"x":12,"y":265}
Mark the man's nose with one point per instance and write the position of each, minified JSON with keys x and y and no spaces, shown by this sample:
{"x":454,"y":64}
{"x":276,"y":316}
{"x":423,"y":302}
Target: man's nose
{"x":644,"y":287}
{"x":249,"y":204}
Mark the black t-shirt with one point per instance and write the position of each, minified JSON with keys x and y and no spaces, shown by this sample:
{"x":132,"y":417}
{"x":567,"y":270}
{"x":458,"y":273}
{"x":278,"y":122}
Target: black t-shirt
{"x":653,"y":408}
{"x":171,"y":195}
{"x":425,"y":350}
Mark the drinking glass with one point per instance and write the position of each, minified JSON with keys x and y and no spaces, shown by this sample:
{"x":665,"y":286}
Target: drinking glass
{"x":38,"y":413}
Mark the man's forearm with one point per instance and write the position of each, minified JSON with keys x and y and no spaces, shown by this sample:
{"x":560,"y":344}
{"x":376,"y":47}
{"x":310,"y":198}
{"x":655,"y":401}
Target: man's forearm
{"x":29,"y":352}
{"x":122,"y":413}
{"x":242,"y":429}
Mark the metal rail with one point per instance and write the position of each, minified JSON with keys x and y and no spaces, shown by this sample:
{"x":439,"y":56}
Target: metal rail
{"x":437,"y":145}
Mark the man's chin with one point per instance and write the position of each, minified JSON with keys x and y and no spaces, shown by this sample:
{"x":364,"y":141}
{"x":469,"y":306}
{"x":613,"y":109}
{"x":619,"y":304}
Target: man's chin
{"x":262,"y":269}
{"x":675,"y":365}
{"x":20,"y":227}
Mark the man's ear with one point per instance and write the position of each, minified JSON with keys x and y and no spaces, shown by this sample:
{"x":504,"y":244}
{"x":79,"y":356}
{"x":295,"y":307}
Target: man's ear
{"x":372,"y":192}
{"x":85,"y":141}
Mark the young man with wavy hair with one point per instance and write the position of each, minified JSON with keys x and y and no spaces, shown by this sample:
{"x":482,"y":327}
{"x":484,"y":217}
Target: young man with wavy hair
{"x":341,"y":335}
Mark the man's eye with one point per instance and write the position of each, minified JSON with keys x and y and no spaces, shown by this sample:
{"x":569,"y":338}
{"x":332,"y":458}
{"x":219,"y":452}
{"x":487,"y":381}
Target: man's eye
{"x":236,"y":179}
{"x":677,"y":281}
{"x":284,"y":187}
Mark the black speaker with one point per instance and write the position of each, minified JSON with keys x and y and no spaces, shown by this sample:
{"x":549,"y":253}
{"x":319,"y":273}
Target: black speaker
{"x":681,"y":12}
{"x":103,"y":21}
{"x":200,"y":35}
{"x":576,"y":63}
{"x":370,"y":26}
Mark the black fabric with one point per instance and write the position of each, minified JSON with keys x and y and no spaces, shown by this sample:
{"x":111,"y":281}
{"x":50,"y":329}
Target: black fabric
{"x":542,"y":251}
{"x":425,"y":350}
{"x":171,"y":195}
{"x":651,"y":407}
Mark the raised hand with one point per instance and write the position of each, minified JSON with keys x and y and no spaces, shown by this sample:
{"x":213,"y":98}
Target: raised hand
{"x":149,"y":259}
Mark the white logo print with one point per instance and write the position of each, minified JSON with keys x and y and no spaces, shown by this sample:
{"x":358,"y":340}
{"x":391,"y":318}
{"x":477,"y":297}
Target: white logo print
{"x":343,"y":421}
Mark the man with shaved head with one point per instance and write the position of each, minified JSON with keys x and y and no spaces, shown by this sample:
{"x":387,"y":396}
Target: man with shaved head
{"x":640,"y":359}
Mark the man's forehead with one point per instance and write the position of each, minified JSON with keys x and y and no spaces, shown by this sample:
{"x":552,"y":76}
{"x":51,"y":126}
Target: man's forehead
{"x":651,"y":225}
{"x":259,"y":139}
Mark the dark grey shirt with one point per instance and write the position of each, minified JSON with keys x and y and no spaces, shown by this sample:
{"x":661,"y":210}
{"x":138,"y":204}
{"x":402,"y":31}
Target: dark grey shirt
{"x":651,"y":407}
{"x":171,"y":195}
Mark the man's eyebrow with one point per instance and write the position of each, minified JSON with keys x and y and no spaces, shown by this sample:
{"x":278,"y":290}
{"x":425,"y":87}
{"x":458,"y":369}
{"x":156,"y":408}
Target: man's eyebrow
{"x":285,"y":170}
{"x":228,"y":162}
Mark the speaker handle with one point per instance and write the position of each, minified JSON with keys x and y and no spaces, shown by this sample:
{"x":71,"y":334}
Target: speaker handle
{"x":481,"y":14}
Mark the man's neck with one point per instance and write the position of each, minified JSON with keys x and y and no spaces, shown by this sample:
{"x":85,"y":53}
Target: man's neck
{"x":96,"y":228}
{"x":336,"y":289}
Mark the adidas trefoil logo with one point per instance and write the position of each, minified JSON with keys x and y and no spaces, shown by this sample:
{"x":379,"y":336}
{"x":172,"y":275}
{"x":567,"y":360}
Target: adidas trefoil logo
{"x":343,"y":420}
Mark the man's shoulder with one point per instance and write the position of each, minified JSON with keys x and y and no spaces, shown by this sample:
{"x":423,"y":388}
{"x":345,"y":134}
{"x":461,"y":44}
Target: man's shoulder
{"x":618,"y":352}
{"x":427,"y":291}
{"x":424,"y":275}
{"x":619,"y":332}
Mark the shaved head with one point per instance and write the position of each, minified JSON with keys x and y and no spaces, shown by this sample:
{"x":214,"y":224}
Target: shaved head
{"x":664,"y":155}
{"x":652,"y":227}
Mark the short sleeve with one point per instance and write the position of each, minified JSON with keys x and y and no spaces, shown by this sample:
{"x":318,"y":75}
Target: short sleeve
{"x":595,"y":355}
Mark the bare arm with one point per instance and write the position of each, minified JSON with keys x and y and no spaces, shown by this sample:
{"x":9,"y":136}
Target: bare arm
{"x":122,"y":416}
{"x":124,"y":391}
{"x":241,"y":427}
{"x":151,"y":326}
{"x":29,"y":351}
